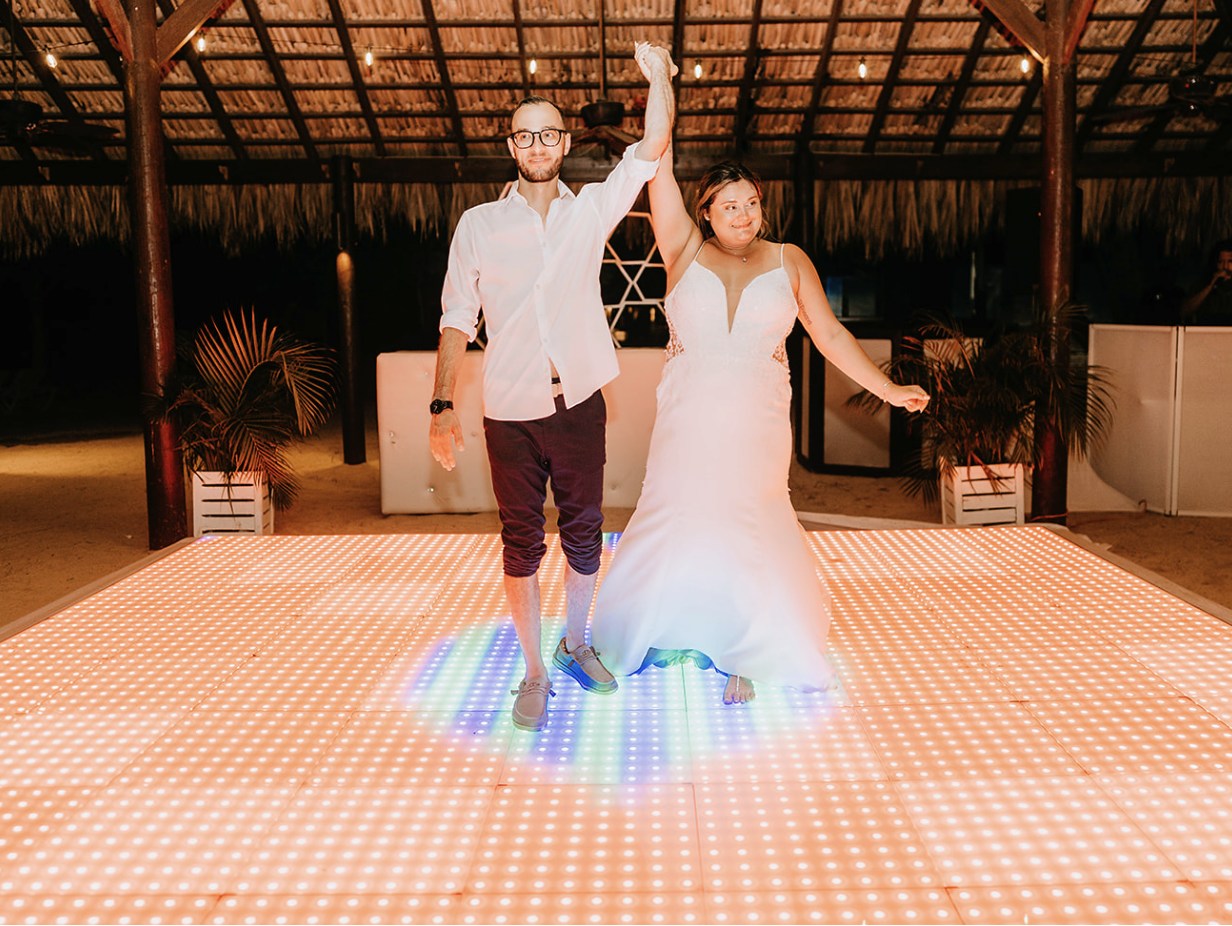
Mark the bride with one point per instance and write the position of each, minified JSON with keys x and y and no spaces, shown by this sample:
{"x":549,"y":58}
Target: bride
{"x":713,"y":565}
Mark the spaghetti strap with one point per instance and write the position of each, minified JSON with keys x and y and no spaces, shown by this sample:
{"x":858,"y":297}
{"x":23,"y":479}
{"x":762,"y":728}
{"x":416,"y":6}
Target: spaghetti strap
{"x":782,"y":245}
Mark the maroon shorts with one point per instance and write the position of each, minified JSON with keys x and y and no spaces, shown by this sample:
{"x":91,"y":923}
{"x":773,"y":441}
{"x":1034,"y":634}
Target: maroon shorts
{"x":569,"y":448}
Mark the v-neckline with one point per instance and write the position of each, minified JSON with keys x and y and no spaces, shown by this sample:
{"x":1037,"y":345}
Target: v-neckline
{"x":731,"y":326}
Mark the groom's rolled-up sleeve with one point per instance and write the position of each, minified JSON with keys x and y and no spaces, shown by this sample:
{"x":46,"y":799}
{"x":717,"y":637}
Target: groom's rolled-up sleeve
{"x":460,"y":299}
{"x":614,"y":197}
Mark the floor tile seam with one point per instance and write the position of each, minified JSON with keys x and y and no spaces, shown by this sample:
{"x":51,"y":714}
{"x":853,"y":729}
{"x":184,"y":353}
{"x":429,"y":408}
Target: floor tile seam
{"x":1044,"y":887}
{"x":1088,"y":777}
{"x":1171,"y":691}
{"x":1053,"y":735}
{"x":361,"y":691}
{"x":235,"y":671}
{"x":300,"y":781}
{"x":1088,"y":702}
{"x":174,"y":718}
{"x":1068,"y":756}
{"x":1166,"y":679}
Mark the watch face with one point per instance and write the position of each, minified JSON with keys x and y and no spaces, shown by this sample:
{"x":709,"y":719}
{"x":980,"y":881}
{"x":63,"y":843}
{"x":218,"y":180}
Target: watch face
{"x":438,"y":406}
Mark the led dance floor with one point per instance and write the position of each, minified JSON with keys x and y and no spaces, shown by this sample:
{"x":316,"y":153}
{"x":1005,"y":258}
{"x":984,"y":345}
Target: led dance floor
{"x":316,"y":729}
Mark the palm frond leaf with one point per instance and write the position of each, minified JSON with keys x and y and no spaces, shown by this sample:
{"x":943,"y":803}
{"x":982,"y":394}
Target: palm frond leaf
{"x":242,"y":394}
{"x":987,"y":392}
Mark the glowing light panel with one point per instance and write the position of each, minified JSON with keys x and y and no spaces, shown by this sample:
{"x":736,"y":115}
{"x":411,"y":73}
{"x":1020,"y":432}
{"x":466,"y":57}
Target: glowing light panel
{"x":316,"y":729}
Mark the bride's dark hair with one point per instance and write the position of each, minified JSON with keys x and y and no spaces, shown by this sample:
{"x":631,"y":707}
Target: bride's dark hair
{"x":713,"y":180}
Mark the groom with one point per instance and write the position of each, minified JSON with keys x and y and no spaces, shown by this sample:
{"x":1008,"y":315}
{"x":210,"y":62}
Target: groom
{"x":531,"y":262}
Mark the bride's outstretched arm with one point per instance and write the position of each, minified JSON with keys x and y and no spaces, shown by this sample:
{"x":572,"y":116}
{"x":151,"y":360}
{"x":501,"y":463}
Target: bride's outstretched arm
{"x":676,"y":234}
{"x":836,"y":343}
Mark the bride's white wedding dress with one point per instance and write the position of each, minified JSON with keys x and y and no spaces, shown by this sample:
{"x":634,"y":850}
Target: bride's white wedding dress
{"x":713,"y":564}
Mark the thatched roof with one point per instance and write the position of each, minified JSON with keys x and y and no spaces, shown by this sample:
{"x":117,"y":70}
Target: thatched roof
{"x":922,"y":147}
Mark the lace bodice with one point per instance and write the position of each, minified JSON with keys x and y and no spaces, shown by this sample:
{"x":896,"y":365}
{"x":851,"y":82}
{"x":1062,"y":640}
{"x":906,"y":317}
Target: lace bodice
{"x":697,"y":316}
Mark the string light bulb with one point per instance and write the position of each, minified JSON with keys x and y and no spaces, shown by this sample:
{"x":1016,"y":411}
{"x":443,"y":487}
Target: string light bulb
{"x":533,"y":66}
{"x":51,"y":60}
{"x":1025,"y":64}
{"x":863,"y":69}
{"x":200,"y":42}
{"x":368,"y":57}
{"x":697,"y":70}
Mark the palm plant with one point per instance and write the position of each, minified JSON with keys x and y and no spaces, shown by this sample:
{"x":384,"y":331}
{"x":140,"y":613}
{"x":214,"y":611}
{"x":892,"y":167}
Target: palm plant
{"x":242,"y":394}
{"x":985,"y":395}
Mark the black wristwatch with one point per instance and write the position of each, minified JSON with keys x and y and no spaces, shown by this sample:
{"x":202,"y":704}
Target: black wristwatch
{"x":438,"y":406}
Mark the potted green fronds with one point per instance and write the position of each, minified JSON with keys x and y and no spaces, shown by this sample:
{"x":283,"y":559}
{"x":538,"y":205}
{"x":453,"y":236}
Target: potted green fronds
{"x":242,"y":393}
{"x":979,"y":429}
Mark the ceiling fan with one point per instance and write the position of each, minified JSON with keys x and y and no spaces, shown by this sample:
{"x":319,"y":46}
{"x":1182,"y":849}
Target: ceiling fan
{"x":603,"y":117}
{"x":21,"y":121}
{"x":1190,"y":93}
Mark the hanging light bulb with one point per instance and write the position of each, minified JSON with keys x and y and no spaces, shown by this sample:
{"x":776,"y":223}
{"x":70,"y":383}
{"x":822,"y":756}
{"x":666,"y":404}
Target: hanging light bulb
{"x":51,"y":60}
{"x":1025,"y":64}
{"x":533,"y":66}
{"x":697,"y":70}
{"x":200,"y":42}
{"x":368,"y":57}
{"x":863,"y":69}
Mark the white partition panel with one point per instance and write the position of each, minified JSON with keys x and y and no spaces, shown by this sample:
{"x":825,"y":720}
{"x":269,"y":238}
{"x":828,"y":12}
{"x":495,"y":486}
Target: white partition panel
{"x":854,"y":437}
{"x":1137,"y":457}
{"x":413,"y":483}
{"x":1204,"y":426}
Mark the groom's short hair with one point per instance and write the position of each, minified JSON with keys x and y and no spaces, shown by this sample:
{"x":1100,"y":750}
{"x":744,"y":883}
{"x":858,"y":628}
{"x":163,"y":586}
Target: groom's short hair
{"x":536,"y":100}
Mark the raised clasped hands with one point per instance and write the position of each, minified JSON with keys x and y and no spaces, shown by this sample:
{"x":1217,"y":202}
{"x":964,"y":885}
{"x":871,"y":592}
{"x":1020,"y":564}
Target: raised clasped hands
{"x":653,"y":59}
{"x":912,"y":398}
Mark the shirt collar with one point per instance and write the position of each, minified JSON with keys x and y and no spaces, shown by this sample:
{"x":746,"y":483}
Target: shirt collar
{"x":562,"y":191}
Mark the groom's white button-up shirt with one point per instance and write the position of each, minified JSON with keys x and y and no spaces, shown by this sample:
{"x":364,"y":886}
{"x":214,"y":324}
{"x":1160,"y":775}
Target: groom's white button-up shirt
{"x":537,"y":283}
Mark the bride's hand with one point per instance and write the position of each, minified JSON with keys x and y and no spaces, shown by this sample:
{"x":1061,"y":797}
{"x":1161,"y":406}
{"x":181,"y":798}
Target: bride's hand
{"x":912,"y":398}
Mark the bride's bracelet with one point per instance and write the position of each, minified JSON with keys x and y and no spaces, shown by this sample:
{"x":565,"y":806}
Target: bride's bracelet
{"x":888,"y":382}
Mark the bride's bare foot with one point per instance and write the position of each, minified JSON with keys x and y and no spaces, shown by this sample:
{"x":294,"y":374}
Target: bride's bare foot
{"x":739,"y":689}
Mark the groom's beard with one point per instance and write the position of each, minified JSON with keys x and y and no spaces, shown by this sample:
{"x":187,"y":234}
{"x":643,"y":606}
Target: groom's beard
{"x":541,"y":174}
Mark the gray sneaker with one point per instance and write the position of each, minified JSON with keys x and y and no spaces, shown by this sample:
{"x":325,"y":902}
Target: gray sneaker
{"x":584,"y":665}
{"x":530,"y":707}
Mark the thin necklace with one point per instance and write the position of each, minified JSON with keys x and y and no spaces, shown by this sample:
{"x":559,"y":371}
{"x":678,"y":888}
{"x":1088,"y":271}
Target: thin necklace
{"x":727,"y":250}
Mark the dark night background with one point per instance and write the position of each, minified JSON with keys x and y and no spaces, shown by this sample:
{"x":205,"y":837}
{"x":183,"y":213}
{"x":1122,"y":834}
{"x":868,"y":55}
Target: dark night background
{"x":68,"y":357}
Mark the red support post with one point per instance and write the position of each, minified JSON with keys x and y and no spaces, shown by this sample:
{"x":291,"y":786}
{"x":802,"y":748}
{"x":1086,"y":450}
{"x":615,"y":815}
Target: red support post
{"x":147,"y":200}
{"x":1048,"y":490}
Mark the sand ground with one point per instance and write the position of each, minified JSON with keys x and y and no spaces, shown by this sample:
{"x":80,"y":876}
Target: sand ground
{"x":72,"y":511}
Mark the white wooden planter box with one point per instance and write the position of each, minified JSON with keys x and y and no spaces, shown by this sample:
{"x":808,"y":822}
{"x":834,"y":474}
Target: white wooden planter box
{"x":239,"y":504}
{"x":969,"y":496}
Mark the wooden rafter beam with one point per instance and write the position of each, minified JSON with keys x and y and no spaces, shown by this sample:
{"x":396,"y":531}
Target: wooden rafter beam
{"x":442,"y":68}
{"x":887,"y":88}
{"x":206,"y":88}
{"x":521,"y":37}
{"x":183,"y":24}
{"x":113,"y":13}
{"x":280,"y":78}
{"x":357,"y":75}
{"x":1115,"y":78}
{"x":1075,"y":23}
{"x":100,"y":38}
{"x":677,"y":49}
{"x":1015,"y":16}
{"x":1029,"y":94}
{"x":954,"y":107}
{"x":821,"y":76}
{"x":744,"y":98}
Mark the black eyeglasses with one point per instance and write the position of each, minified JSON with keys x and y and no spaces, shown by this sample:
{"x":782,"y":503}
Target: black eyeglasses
{"x":525,"y":138}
